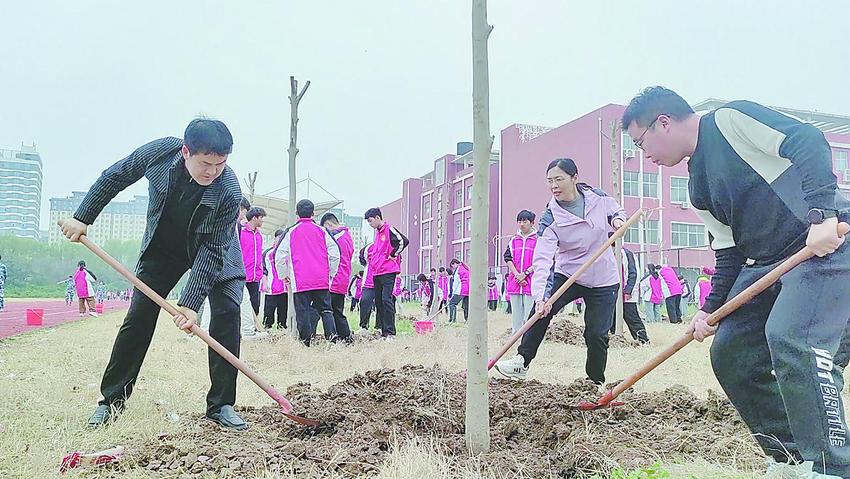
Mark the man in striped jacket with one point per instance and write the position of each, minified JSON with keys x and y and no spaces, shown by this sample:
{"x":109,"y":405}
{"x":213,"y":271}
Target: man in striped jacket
{"x":191,"y":224}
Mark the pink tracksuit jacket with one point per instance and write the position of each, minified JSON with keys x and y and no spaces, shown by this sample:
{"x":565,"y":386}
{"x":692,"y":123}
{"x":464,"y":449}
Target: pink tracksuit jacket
{"x":311,"y":254}
{"x":346,"y":251}
{"x":252,"y":253}
{"x":521,"y":250}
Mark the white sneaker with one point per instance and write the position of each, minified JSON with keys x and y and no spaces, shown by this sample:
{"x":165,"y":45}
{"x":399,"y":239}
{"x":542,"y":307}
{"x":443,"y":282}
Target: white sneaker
{"x":255,"y":335}
{"x":82,"y":314}
{"x":93,"y":314}
{"x":363,"y":331}
{"x":513,"y":368}
{"x":781,"y":470}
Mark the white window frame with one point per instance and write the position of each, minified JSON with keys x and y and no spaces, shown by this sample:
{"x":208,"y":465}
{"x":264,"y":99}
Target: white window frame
{"x":704,"y":241}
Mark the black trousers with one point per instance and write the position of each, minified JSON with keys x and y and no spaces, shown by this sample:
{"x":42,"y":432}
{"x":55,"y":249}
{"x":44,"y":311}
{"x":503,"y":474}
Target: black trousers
{"x":367,"y":304}
{"x":309,"y":307}
{"x":492,"y":304}
{"x":254,"y":294}
{"x":354,"y":302}
{"x":385,"y":302}
{"x":276,"y":303}
{"x":781,"y":358}
{"x":634,"y":323}
{"x":343,"y":331}
{"x":597,"y":322}
{"x":453,"y":302}
{"x":134,"y":336}
{"x":674,"y":308}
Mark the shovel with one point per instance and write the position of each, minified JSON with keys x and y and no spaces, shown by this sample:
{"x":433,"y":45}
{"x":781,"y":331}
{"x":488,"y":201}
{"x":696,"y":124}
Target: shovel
{"x":285,"y":405}
{"x":741,"y":298}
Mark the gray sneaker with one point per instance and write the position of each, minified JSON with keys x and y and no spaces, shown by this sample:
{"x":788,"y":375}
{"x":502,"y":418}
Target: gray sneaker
{"x":513,"y":368}
{"x":227,"y":418}
{"x":103,"y":415}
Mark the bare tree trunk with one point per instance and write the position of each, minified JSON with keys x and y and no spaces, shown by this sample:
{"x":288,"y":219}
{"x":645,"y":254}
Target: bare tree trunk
{"x":618,"y":245}
{"x":294,"y":100}
{"x":477,"y":400}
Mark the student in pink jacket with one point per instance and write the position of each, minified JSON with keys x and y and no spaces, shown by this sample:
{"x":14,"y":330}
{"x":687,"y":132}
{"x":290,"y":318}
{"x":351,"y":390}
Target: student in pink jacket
{"x":459,"y":289}
{"x":674,"y":299}
{"x":339,"y":285}
{"x":309,"y":258}
{"x":355,"y":289}
{"x":385,"y":263}
{"x":274,"y":287}
{"x":518,"y":257}
{"x":704,"y":285}
{"x":251,"y":241}
{"x":492,"y":294}
{"x":443,"y":286}
{"x":576,"y":223}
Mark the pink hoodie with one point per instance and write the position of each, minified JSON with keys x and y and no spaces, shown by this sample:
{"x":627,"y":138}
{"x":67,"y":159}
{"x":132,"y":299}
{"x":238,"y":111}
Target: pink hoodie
{"x":379,"y":253}
{"x":669,"y":276}
{"x":252,"y":253}
{"x":346,"y":251}
{"x":274,"y":283}
{"x":397,"y":287}
{"x":443,"y":285}
{"x":492,"y":293}
{"x":460,"y":283}
{"x":83,"y":282}
{"x":522,"y":255}
{"x":358,"y":288}
{"x":312,"y":254}
{"x":704,"y":289}
{"x":566,"y":241}
{"x":657,"y":295}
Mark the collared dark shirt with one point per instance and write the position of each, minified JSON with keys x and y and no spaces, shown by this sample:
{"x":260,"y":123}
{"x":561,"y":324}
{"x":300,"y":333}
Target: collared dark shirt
{"x":172,"y":233}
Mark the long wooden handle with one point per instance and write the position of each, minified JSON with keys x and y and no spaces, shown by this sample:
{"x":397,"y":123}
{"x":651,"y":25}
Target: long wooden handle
{"x":572,"y":279}
{"x":741,"y":298}
{"x":205,"y":337}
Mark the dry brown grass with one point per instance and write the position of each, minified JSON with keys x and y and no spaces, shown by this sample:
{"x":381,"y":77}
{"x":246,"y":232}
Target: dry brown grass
{"x":49,"y":385}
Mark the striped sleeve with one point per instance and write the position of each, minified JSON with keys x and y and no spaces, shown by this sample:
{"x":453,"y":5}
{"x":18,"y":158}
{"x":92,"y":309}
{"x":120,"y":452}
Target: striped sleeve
{"x":119,"y":176}
{"x":398,"y":241}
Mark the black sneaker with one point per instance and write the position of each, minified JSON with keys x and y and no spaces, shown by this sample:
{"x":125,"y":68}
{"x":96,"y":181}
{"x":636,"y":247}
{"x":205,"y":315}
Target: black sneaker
{"x":227,"y":418}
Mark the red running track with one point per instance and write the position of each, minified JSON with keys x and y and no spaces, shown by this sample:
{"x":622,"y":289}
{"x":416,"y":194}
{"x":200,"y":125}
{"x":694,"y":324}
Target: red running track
{"x":13,"y":319}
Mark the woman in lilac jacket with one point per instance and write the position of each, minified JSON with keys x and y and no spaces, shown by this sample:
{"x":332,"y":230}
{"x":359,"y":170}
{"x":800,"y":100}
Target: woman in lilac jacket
{"x":574,"y":225}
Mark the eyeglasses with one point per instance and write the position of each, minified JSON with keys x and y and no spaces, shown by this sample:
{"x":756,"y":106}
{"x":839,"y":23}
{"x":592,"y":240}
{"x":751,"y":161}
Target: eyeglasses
{"x":639,"y":141}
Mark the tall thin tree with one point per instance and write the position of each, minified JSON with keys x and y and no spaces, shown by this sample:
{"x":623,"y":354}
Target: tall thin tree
{"x":477,"y":401}
{"x":294,"y":99}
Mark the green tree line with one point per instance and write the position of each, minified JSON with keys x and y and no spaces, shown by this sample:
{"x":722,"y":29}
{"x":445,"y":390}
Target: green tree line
{"x":34,"y":268}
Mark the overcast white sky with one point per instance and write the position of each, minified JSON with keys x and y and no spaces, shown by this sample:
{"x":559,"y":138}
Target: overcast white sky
{"x":89,"y":81}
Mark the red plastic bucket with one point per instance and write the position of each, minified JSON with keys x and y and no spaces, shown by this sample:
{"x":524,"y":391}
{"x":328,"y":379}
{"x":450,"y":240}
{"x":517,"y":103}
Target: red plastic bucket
{"x":423,"y":327}
{"x":99,"y":308}
{"x":35,"y":317}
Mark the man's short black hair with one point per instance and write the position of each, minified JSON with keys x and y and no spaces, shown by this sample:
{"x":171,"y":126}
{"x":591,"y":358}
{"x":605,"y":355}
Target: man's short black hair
{"x":255,"y":212}
{"x":421,"y":278}
{"x":208,"y":136}
{"x":442,"y":268}
{"x":328,"y":217}
{"x":433,"y":270}
{"x":279,"y":232}
{"x":81,"y":264}
{"x":454,"y":261}
{"x":373,"y":213}
{"x":244,"y":204}
{"x":305,"y":209}
{"x":652,"y":102}
{"x":525,"y":215}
